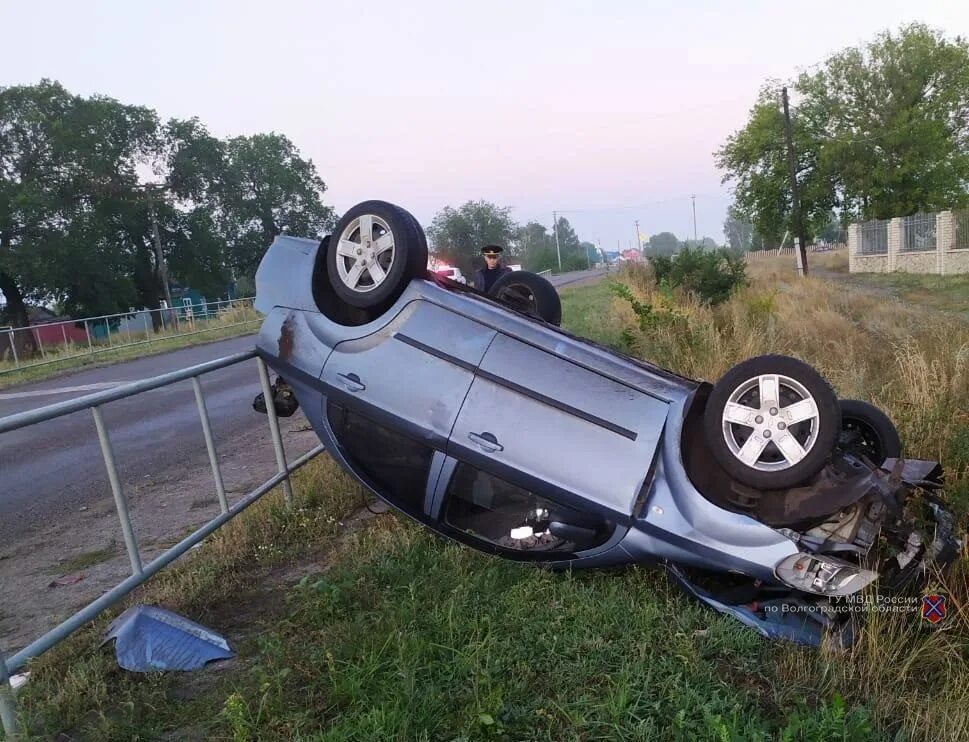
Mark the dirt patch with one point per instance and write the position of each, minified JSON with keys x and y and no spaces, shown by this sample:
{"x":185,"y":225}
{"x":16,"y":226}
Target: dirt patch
{"x":88,"y":551}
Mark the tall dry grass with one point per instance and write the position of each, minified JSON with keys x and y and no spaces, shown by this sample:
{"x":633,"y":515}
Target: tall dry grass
{"x":912,"y":362}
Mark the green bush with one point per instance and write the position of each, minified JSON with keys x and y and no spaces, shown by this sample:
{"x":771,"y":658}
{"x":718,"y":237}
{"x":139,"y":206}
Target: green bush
{"x":710,"y":275}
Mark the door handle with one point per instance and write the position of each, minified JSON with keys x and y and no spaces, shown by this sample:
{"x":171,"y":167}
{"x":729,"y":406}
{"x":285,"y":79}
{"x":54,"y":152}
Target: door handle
{"x":487,"y":441}
{"x":352,"y":382}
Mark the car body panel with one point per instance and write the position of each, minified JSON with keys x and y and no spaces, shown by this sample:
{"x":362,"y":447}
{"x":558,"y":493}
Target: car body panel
{"x":418,"y":368}
{"x":575,"y":430}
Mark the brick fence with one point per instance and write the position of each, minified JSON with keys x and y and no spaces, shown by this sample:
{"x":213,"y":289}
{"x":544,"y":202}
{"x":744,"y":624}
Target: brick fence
{"x":921,"y":243}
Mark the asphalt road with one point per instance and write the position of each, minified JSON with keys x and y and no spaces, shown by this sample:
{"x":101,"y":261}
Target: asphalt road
{"x":52,"y":469}
{"x":564,"y":279}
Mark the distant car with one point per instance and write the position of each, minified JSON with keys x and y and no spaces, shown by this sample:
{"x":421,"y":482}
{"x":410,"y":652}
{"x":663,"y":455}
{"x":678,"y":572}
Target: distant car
{"x":451,"y":273}
{"x":495,"y":428}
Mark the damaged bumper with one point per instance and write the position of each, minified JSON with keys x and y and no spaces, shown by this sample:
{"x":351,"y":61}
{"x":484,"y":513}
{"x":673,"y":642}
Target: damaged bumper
{"x":891,"y":526}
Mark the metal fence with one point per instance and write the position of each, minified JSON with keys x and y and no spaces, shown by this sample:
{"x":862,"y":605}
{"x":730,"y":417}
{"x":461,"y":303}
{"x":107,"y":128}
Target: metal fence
{"x":53,"y":342}
{"x":961,"y":237}
{"x":790,"y":251}
{"x":873,"y":237}
{"x":142,"y":572}
{"x":918,"y":233}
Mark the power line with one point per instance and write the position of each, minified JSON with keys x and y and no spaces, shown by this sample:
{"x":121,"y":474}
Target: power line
{"x":601,"y":209}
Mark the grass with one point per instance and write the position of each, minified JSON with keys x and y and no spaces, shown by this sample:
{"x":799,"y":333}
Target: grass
{"x":589,"y":311}
{"x":74,"y":356}
{"x":77,"y":688}
{"x":386,"y":632}
{"x":943,"y":293}
{"x":84,"y":560}
{"x":947,"y":293}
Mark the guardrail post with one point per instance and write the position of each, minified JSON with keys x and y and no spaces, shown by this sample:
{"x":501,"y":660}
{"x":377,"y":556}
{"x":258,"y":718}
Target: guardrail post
{"x":147,"y":329}
{"x":87,"y":331}
{"x":8,"y":703}
{"x":119,"y":501}
{"x":107,"y":327}
{"x":274,"y":430}
{"x":210,"y":445}
{"x":13,"y":348}
{"x":40,"y":342}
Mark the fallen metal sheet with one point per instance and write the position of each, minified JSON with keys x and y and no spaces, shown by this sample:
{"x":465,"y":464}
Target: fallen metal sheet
{"x":150,"y":639}
{"x":794,"y":621}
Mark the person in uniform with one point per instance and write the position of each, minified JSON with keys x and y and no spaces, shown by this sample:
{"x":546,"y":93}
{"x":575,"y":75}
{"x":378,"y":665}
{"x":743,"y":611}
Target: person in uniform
{"x":484,"y":278}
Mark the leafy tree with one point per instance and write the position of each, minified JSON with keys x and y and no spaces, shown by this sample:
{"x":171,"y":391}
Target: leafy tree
{"x":537,"y":247}
{"x":663,"y":243}
{"x":459,"y":234}
{"x":67,"y":165}
{"x":756,"y":159}
{"x":738,"y":230}
{"x":879,"y":131}
{"x":77,"y":227}
{"x":268,"y":189}
{"x":573,"y":256}
{"x":891,"y":120}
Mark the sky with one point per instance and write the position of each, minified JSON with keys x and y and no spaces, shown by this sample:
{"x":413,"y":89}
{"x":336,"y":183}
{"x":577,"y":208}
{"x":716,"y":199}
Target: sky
{"x":606,"y":111}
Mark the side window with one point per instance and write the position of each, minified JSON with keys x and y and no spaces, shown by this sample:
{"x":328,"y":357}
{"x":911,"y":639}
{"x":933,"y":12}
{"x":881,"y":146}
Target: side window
{"x":396,"y":465}
{"x":489,"y":508}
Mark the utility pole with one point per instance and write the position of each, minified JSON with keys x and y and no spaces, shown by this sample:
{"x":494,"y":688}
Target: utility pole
{"x":694,"y":217}
{"x":555,"y":226}
{"x":162,"y":266}
{"x":639,"y":243}
{"x":801,"y":251}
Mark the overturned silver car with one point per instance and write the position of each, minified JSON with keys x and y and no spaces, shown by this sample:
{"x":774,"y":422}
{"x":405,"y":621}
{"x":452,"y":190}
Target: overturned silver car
{"x":478,"y":417}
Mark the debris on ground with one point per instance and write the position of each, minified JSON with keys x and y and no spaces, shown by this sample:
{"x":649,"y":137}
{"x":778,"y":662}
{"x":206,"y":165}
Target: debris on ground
{"x":151,"y":639}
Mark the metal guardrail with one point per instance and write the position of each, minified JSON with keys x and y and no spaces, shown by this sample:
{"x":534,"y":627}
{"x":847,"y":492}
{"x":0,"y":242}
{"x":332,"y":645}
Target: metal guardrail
{"x":92,"y":335}
{"x":140,"y":573}
{"x":547,"y":272}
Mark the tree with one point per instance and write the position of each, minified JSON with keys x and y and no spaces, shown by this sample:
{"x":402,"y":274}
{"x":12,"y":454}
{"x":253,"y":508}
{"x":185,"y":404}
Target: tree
{"x":77,"y":226}
{"x":570,"y":247}
{"x":738,"y":230}
{"x":537,"y":247}
{"x":663,"y":243}
{"x":267,"y":189}
{"x":756,"y":159}
{"x":879,"y":131}
{"x":67,"y":165}
{"x":459,"y":234}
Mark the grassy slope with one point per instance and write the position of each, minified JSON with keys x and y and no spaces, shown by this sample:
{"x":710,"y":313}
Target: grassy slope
{"x":394,"y":634}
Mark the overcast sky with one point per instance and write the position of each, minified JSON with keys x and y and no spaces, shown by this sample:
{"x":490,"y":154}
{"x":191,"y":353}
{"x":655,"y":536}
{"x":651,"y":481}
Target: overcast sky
{"x":606,"y":111}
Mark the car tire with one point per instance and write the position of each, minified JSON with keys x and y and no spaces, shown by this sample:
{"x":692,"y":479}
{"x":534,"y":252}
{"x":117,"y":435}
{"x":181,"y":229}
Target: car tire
{"x":398,"y":259}
{"x":528,"y":293}
{"x":867,"y":431}
{"x":761,"y":442}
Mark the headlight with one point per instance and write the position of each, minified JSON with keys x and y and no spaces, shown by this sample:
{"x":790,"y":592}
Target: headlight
{"x":823,"y":575}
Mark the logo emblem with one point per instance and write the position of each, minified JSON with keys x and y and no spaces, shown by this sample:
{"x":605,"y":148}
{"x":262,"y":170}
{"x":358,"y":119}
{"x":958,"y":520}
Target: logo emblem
{"x":933,"y":608}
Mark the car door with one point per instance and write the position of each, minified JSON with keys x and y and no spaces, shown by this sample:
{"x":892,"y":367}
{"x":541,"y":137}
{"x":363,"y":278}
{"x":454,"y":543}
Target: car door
{"x":558,"y":430}
{"x":393,"y":396}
